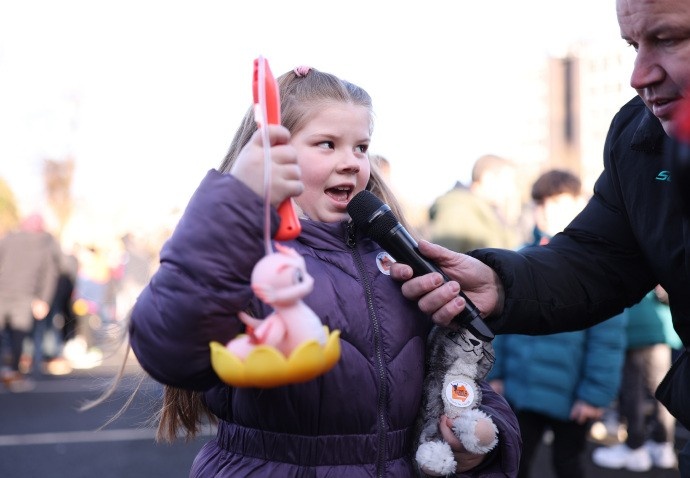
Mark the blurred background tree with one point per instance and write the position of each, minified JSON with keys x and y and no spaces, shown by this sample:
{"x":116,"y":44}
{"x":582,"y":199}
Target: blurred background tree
{"x":58,"y":176}
{"x":9,"y":213}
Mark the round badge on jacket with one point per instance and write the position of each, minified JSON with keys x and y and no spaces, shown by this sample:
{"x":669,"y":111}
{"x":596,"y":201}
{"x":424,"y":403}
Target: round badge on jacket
{"x":384,"y":261}
{"x":460,"y":393}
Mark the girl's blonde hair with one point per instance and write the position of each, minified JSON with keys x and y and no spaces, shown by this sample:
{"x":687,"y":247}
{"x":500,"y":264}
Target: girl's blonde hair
{"x":302,"y":93}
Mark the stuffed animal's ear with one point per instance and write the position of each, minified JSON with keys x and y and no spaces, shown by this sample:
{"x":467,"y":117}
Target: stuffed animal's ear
{"x":285,"y":249}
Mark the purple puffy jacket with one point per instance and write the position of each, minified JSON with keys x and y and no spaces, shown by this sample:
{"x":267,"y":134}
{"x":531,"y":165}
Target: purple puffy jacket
{"x":357,"y":420}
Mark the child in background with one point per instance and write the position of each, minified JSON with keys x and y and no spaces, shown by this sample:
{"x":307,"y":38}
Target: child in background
{"x":560,"y":381}
{"x":356,"y":420}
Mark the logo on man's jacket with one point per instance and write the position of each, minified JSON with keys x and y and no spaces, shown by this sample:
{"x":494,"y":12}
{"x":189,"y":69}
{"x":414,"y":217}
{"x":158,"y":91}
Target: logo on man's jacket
{"x":663,"y":176}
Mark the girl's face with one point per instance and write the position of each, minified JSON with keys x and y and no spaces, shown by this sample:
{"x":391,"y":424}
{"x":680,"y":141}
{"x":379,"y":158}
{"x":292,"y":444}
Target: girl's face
{"x":332,"y":154}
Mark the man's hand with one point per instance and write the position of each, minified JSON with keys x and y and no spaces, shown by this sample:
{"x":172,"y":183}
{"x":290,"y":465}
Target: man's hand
{"x":440,"y":299}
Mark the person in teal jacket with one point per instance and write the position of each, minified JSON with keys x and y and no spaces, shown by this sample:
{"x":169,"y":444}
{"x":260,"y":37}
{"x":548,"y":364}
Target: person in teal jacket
{"x":563,"y":381}
{"x":650,"y":434}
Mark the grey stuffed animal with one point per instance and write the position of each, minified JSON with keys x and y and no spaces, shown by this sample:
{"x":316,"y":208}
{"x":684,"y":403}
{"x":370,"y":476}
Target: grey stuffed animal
{"x":456,"y":359}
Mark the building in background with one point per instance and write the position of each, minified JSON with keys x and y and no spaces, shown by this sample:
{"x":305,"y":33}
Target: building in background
{"x":573,"y":99}
{"x":588,"y":87}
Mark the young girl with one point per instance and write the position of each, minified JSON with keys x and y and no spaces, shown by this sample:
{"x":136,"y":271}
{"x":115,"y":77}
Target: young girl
{"x":358,"y":418}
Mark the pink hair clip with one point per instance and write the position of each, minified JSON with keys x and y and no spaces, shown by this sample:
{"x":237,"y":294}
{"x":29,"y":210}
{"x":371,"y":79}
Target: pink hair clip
{"x":302,"y":70}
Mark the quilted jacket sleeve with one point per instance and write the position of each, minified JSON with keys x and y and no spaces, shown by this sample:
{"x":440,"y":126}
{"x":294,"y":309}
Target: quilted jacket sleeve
{"x":604,"y":355}
{"x":504,"y":460}
{"x":202,"y":282}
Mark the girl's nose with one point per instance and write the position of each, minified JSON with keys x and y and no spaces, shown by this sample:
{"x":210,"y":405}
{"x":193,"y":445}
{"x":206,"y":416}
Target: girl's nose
{"x":350,"y":163}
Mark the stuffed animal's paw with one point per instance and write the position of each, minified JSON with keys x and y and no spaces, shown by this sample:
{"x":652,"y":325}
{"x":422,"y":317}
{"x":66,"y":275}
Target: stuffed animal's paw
{"x":476,"y":431}
{"x":436,"y":458}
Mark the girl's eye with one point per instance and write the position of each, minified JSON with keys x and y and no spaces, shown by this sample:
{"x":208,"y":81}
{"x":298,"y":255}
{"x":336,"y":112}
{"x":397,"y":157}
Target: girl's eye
{"x":363,"y":148}
{"x":326,"y":144}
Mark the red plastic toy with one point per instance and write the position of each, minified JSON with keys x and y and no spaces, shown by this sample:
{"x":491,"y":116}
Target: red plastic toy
{"x":289,"y":227}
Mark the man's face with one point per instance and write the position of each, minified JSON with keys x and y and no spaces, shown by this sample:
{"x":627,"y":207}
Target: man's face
{"x":659,"y":30}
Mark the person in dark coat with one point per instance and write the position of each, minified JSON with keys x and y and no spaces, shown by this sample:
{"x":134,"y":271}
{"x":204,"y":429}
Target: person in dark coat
{"x":355,"y":420}
{"x":61,"y":320}
{"x":632,"y":235}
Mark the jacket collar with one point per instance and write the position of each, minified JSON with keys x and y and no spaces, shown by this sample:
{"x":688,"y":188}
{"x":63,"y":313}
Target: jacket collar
{"x":322,"y":235}
{"x":649,"y":135}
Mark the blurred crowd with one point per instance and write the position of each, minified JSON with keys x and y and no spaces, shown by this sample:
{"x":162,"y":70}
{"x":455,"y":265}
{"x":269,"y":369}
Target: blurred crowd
{"x":61,"y":298}
{"x":568,"y":388}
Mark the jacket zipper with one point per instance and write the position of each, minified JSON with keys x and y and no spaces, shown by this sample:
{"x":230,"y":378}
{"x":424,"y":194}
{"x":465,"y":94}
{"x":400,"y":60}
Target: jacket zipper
{"x":383,"y":395}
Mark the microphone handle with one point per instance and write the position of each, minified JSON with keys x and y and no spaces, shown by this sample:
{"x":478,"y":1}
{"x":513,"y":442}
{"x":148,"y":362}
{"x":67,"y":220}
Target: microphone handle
{"x":405,"y":249}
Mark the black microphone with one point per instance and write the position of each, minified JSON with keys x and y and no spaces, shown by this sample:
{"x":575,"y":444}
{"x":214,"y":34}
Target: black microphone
{"x":378,"y":222}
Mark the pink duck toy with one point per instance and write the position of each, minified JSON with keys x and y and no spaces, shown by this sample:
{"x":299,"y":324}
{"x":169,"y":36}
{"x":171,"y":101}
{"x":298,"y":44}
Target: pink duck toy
{"x":280,"y":280}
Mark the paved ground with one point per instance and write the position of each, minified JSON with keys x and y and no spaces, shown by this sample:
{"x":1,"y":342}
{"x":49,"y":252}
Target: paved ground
{"x":543,"y":468}
{"x":42,"y":434}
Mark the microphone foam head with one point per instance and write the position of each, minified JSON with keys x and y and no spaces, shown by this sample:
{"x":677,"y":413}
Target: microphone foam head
{"x":362,"y":207}
{"x":371,"y":215}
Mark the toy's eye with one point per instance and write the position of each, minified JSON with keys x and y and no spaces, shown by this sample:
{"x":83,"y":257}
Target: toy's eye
{"x":299,"y":277}
{"x":469,"y":340}
{"x":454,"y":337}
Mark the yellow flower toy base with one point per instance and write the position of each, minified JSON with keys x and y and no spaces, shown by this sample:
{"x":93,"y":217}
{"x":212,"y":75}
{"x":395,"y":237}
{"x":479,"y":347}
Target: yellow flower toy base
{"x":266,"y":367}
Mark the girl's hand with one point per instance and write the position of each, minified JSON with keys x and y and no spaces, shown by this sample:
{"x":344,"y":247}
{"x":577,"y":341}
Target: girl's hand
{"x":285,"y":173}
{"x":465,"y":460}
